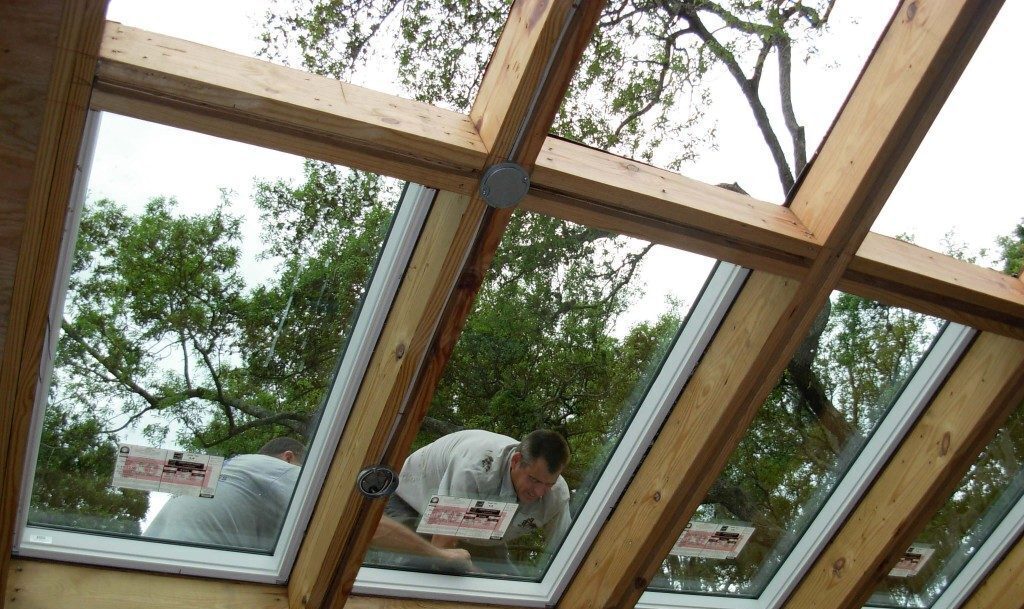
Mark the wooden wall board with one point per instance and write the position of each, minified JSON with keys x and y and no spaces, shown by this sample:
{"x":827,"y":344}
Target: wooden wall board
{"x":48,"y":585}
{"x":230,"y":94}
{"x":1003,"y":587}
{"x":49,"y":122}
{"x":984,"y":388}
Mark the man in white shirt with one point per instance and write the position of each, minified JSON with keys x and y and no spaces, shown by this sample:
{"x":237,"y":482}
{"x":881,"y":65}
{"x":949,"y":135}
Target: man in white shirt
{"x":479,"y":464}
{"x":250,"y":503}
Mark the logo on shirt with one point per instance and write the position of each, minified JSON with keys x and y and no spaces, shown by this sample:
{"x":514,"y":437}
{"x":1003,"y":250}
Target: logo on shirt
{"x":529,"y":523}
{"x":487,"y":462}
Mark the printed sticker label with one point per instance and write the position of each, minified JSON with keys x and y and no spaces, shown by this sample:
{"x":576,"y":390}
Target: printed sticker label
{"x":712,"y":540}
{"x":467,"y":518}
{"x":165,"y":470}
{"x":912,"y":561}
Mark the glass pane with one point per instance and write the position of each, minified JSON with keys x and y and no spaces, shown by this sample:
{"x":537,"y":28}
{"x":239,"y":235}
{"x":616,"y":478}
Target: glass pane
{"x":963,"y":162}
{"x":987,"y":492}
{"x":568,"y":332}
{"x":212,"y":292}
{"x":842,"y":380}
{"x":661,"y":83}
{"x":416,"y":49}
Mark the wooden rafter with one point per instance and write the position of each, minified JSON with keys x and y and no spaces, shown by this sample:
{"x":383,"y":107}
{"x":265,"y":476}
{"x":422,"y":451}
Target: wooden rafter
{"x":986,"y":386}
{"x":518,"y":93}
{"x":168,"y":80}
{"x":569,"y":181}
{"x":837,"y":200}
{"x":33,"y":202}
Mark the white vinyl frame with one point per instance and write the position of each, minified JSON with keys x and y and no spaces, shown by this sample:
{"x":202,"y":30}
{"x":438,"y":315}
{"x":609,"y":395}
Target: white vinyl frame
{"x":168,"y":557}
{"x":916,"y":395}
{"x":700,"y":326}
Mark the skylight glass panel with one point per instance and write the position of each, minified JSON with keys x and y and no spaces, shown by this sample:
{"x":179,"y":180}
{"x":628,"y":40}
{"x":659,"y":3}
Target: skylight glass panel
{"x":570,"y":332}
{"x":216,"y":303}
{"x":988,"y":491}
{"x":963,"y":161}
{"x":843,"y":379}
{"x":722,"y":92}
{"x":411,"y":48}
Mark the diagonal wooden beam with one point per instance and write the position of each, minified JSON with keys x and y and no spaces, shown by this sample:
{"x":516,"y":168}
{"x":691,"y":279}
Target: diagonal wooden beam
{"x":900,"y":90}
{"x":518,"y":93}
{"x":41,"y":121}
{"x":441,"y":148}
{"x":1003,"y":587}
{"x":180,"y":83}
{"x":986,"y":386}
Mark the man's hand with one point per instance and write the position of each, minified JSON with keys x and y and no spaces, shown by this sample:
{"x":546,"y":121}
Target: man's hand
{"x":458,"y":560}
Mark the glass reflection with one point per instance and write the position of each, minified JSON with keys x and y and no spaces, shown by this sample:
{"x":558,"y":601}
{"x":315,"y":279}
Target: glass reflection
{"x":843,"y":378}
{"x":204,"y":316}
{"x":561,"y":339}
{"x":984,"y":496}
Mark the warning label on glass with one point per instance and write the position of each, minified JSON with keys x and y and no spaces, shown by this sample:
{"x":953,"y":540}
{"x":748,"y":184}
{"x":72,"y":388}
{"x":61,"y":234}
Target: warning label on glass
{"x":912,"y":561}
{"x":712,"y":540}
{"x":167,"y":471}
{"x":469,"y":518}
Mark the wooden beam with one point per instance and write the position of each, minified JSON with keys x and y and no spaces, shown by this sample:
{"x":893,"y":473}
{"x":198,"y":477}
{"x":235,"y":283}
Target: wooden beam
{"x":1003,"y":587}
{"x":44,"y":115}
{"x":419,"y":301}
{"x":570,"y":181}
{"x":902,"y":274}
{"x":986,"y":386}
{"x":385,"y":418}
{"x":708,"y":420}
{"x":838,"y":199}
{"x":45,"y":585}
{"x":184,"y":84}
{"x":590,"y":186}
{"x":891,"y":271}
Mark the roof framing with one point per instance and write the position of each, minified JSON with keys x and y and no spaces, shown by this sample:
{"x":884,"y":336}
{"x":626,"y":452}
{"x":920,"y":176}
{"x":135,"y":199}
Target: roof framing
{"x":800,"y":253}
{"x":571,"y":181}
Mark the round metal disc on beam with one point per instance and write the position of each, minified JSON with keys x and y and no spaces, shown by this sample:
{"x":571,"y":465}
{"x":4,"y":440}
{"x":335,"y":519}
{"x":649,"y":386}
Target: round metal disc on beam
{"x":504,"y":185}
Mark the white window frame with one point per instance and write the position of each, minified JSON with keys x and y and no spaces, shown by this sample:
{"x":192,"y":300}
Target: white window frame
{"x":38,"y":542}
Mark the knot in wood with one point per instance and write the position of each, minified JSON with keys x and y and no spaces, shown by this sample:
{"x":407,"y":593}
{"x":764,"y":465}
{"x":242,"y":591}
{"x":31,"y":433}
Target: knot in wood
{"x":911,"y":11}
{"x":400,"y":351}
{"x":632,"y":168}
{"x":944,"y":446}
{"x":657,"y":495}
{"x":837,"y":567}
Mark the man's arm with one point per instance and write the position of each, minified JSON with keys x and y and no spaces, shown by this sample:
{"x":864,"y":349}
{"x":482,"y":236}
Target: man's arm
{"x":391,"y":535}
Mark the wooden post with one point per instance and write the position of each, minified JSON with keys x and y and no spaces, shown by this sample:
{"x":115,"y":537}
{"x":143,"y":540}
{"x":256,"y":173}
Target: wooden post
{"x":42,"y":118}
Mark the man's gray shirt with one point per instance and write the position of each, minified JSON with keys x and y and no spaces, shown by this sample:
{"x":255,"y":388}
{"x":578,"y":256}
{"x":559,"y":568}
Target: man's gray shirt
{"x":475,"y":464}
{"x":246,"y":511}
